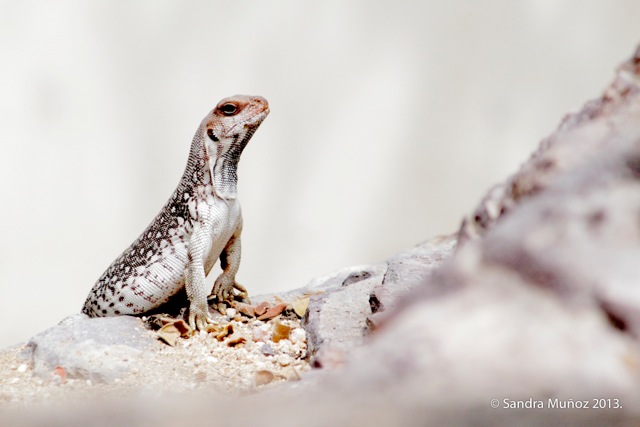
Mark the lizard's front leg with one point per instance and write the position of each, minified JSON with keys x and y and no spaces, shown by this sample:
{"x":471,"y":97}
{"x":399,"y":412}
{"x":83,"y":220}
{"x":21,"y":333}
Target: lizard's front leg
{"x":223,"y":288}
{"x":195,"y":281}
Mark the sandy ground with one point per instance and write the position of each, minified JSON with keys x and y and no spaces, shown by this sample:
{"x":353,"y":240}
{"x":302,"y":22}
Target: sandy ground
{"x":202,"y":361}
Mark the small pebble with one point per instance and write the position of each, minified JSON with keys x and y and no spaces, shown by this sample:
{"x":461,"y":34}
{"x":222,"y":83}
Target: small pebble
{"x":284,"y":360}
{"x":263,"y":377}
{"x":201,"y":376}
{"x":298,"y":335}
{"x":22,"y":368}
{"x":280,"y":332}
{"x":262,"y":332}
{"x":267,"y":350}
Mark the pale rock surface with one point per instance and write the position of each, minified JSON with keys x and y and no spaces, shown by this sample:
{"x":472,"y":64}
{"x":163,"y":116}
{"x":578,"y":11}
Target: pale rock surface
{"x":99,"y":349}
{"x":346,"y":305}
{"x":408,"y":270}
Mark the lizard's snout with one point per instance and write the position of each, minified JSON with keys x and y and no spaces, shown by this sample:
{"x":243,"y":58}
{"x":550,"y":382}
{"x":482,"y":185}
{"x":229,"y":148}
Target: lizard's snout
{"x":262,"y":102}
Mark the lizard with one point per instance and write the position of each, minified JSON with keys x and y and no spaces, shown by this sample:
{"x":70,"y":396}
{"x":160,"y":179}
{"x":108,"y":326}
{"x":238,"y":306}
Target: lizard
{"x":200,"y":223}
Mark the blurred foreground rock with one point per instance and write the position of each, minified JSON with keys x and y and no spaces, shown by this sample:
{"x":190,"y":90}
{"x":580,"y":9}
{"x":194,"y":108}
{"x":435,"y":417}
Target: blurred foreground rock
{"x":539,"y":307}
{"x":98,"y":350}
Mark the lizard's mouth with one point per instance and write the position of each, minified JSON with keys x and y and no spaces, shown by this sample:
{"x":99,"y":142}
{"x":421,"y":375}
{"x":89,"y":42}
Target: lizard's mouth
{"x":252,"y":122}
{"x":260,"y":117}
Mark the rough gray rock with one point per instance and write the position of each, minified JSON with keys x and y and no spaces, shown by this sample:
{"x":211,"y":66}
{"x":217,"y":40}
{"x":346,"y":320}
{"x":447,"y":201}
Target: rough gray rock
{"x":542,"y":299}
{"x":346,"y":305}
{"x":408,"y":270}
{"x":101,"y":349}
{"x":544,"y":303}
{"x":582,"y":136}
{"x":336,"y":319}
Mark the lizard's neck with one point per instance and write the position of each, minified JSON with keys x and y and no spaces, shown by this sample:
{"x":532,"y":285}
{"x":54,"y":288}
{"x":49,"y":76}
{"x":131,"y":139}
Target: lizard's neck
{"x":218,"y":165}
{"x":224,"y":168}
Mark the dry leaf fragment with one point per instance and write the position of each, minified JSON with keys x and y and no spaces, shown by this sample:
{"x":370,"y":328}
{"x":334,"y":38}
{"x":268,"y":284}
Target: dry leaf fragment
{"x":173,"y":329}
{"x":183,"y":327}
{"x":169,"y":334}
{"x":225,"y":331}
{"x":262,"y":308}
{"x":300,"y":305}
{"x":213,"y":329}
{"x":246,"y":309}
{"x":235,"y":339}
{"x":273,"y":311}
{"x":60,"y":373}
{"x":280,"y":332}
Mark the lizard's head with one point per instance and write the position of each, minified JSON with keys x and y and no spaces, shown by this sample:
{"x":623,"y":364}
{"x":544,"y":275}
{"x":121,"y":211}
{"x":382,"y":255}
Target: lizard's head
{"x":235,"y":119}
{"x":226,"y":131}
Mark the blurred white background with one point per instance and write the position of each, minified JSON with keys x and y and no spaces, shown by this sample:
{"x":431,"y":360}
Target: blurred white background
{"x":389,"y":120}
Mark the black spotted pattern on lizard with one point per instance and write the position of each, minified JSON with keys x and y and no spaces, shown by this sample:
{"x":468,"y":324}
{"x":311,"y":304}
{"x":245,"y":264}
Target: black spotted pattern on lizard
{"x":200,"y":223}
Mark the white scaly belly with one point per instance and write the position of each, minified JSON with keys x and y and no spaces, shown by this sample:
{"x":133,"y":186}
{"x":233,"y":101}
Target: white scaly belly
{"x":164,"y":275}
{"x":223,"y":220}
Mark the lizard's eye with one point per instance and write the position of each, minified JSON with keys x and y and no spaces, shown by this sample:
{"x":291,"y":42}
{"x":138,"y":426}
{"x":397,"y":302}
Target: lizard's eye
{"x":229,"y":109}
{"x":212,"y":136}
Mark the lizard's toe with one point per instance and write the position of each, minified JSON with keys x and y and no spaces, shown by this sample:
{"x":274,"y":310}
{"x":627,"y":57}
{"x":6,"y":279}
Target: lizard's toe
{"x":199,"y":319}
{"x":222,"y":308}
{"x":242,"y":292}
{"x":201,"y":323}
{"x":224,"y":293}
{"x":192,"y":320}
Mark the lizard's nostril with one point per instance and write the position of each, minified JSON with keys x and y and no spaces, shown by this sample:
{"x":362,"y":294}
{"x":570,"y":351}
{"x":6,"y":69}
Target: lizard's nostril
{"x":260,"y":100}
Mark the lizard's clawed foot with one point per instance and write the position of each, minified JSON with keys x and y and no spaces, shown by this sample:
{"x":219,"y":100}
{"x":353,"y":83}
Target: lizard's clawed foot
{"x":223,"y":293}
{"x":199,"y":319}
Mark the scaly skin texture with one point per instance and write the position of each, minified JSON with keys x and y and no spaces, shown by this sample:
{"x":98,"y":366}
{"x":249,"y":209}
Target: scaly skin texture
{"x":200,"y":223}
